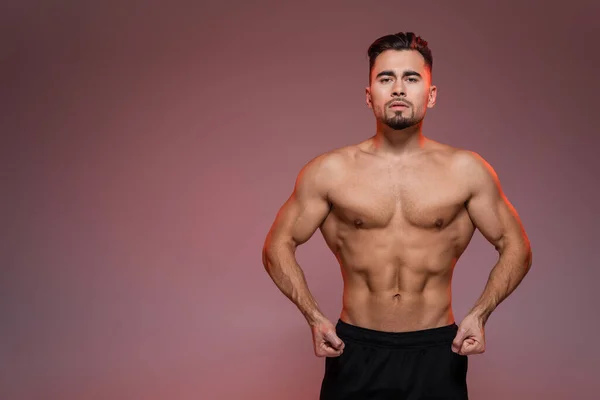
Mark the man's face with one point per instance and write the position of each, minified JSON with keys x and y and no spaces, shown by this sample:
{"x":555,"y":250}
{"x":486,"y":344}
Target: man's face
{"x":400,"y":89}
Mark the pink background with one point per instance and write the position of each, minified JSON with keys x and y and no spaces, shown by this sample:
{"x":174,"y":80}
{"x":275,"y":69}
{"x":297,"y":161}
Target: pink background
{"x":146,"y":149}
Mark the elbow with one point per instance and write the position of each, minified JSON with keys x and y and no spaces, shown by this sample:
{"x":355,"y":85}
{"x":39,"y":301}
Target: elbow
{"x":264,"y":257}
{"x":268,"y":261}
{"x":267,"y":251}
{"x":529,"y":257}
{"x":526,"y":255}
{"x":276,"y":254}
{"x":267,"y":255}
{"x":527,"y":251}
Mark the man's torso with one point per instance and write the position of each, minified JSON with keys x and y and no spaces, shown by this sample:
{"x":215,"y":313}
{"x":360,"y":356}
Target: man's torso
{"x":397,"y":228}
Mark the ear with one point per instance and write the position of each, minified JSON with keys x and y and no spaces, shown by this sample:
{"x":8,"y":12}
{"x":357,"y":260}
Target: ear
{"x":368,"y":97}
{"x":432,"y":96}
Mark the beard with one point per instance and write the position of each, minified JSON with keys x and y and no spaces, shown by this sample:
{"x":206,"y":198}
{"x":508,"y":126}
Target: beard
{"x":398,"y":122}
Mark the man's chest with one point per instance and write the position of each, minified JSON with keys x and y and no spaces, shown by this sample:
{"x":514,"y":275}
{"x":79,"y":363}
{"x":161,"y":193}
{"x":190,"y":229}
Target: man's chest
{"x":429,"y":198}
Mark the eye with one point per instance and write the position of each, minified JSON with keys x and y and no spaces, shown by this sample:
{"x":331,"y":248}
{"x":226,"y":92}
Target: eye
{"x":412,"y":79}
{"x":385,"y":80}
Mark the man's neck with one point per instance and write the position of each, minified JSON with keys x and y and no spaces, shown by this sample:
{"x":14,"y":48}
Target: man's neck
{"x":392,"y":142}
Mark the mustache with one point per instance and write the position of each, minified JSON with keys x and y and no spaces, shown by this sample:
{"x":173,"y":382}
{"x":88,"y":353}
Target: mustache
{"x":398,"y":101}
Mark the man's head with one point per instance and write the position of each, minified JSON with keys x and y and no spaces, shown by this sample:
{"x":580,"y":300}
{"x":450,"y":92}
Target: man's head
{"x":400,"y":89}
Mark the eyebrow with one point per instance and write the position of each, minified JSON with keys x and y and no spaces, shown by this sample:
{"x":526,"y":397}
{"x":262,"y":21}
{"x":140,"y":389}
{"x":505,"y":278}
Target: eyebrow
{"x":393,"y":74}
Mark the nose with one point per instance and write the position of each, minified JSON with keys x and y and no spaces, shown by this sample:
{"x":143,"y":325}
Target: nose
{"x":399,"y":90}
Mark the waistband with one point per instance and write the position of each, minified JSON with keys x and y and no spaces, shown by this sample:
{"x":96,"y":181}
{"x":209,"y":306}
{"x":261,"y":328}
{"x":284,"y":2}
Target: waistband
{"x":420,"y":338}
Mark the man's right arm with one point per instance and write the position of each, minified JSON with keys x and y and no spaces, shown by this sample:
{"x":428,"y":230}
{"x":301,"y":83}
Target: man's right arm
{"x":295,"y":223}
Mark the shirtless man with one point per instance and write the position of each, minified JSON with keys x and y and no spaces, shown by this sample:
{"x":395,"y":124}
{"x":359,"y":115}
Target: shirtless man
{"x":397,"y":210}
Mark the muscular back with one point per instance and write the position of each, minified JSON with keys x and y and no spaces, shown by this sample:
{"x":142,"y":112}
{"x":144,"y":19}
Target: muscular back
{"x":397,"y":226}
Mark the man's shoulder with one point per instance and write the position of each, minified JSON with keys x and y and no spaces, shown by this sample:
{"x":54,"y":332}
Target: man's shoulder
{"x":458,"y":158}
{"x":334,"y":160}
{"x":470,"y":168}
{"x":466,"y":165}
{"x":325,"y":169}
{"x":470,"y":162}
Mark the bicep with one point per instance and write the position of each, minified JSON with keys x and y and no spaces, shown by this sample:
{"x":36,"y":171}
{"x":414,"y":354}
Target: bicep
{"x":303,"y":212}
{"x":489,"y":209}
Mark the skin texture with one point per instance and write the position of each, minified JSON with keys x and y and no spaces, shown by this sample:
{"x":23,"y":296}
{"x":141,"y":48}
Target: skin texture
{"x":398,"y":210}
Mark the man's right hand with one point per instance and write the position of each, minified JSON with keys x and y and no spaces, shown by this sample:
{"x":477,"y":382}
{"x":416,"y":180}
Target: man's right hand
{"x":325,"y":339}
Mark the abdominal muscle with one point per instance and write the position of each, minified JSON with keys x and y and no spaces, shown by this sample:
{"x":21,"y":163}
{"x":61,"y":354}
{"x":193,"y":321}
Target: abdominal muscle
{"x":393,"y":286}
{"x":397,"y":310}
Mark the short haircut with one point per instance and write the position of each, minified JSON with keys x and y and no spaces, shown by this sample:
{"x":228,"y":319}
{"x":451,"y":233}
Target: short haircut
{"x":399,"y":41}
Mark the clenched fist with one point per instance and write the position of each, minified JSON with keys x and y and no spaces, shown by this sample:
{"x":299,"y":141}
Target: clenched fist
{"x":325,"y":339}
{"x":470,"y":338}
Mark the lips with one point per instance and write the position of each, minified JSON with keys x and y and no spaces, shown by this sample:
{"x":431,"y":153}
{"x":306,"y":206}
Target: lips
{"x":398,"y":104}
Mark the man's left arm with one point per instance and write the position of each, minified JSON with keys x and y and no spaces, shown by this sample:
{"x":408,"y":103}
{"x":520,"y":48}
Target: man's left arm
{"x":495,"y":217}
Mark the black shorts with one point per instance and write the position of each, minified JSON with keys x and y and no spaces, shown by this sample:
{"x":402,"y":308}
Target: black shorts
{"x":378,"y":365}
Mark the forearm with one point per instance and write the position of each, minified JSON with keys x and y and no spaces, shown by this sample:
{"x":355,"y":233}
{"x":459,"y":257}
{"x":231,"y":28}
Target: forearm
{"x":281,"y":265}
{"x":507,"y":274}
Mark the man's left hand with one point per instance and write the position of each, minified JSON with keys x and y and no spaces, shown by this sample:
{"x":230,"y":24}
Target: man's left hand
{"x":470,"y":338}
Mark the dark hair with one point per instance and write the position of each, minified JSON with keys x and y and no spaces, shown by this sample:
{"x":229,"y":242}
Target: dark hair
{"x":399,"y":41}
